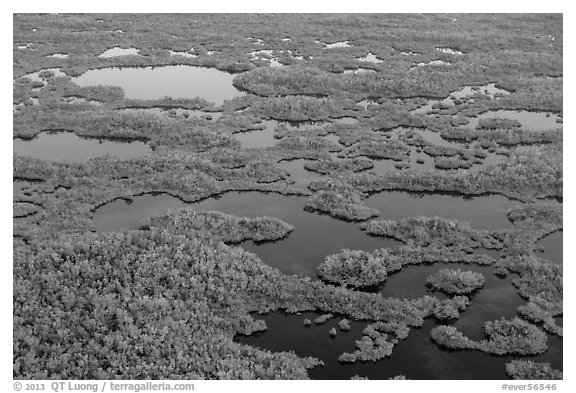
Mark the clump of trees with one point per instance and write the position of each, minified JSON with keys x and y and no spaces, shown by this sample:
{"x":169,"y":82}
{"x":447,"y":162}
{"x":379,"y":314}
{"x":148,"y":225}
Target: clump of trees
{"x":344,"y":205}
{"x":455,"y":282}
{"x":528,"y":370}
{"x":369,"y":348}
{"x":228,"y":228}
{"x":504,"y":337}
{"x":353,"y":268}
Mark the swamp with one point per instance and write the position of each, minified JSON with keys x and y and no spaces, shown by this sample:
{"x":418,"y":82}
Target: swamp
{"x":287,"y":196}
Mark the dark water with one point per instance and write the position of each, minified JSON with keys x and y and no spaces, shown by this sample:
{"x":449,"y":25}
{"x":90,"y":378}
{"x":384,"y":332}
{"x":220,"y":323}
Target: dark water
{"x":69,"y":147}
{"x":416,"y":357}
{"x":553,"y":247}
{"x":497,"y":298}
{"x":315,"y":237}
{"x":482,"y":212}
{"x":157,"y":82}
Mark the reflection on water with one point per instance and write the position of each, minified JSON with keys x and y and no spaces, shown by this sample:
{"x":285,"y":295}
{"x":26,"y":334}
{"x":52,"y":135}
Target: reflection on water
{"x":482,"y":212}
{"x":69,"y":147}
{"x":157,"y":82}
{"x":416,"y":357}
{"x":300,"y":253}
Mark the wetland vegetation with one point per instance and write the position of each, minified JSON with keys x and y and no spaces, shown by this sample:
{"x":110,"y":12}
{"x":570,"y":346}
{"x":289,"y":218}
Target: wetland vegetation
{"x":268,"y":197}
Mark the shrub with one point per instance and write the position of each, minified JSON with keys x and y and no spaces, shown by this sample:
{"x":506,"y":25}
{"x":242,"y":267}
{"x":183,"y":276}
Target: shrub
{"x":355,"y":268}
{"x":528,"y":369}
{"x":455,"y":282}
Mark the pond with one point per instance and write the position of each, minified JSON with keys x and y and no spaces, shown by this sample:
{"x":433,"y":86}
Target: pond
{"x":117,"y":51}
{"x":481,"y":212}
{"x":69,"y":147}
{"x":450,"y":51}
{"x":177,"y":81}
{"x":339,"y":44}
{"x":416,"y":357}
{"x":534,"y":121}
{"x":553,"y":247}
{"x":366,"y":103}
{"x":359,"y":71}
{"x":300,"y":253}
{"x":370,"y":58}
{"x":183,"y":54}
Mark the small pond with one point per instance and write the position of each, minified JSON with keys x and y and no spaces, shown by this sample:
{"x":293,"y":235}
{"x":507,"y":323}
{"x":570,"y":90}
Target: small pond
{"x":339,"y":44}
{"x":359,"y":71}
{"x":370,"y":58}
{"x":69,"y":147}
{"x":177,"y":81}
{"x":535,"y":121}
{"x":183,"y":54}
{"x":117,"y":51}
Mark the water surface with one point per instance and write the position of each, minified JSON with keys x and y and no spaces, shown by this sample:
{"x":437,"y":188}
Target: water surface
{"x":69,"y":147}
{"x":553,"y":247}
{"x":370,"y":58}
{"x":255,"y":139}
{"x":416,"y":357}
{"x":298,"y":173}
{"x":482,"y":212}
{"x":179,"y":81}
{"x":315,"y":237}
